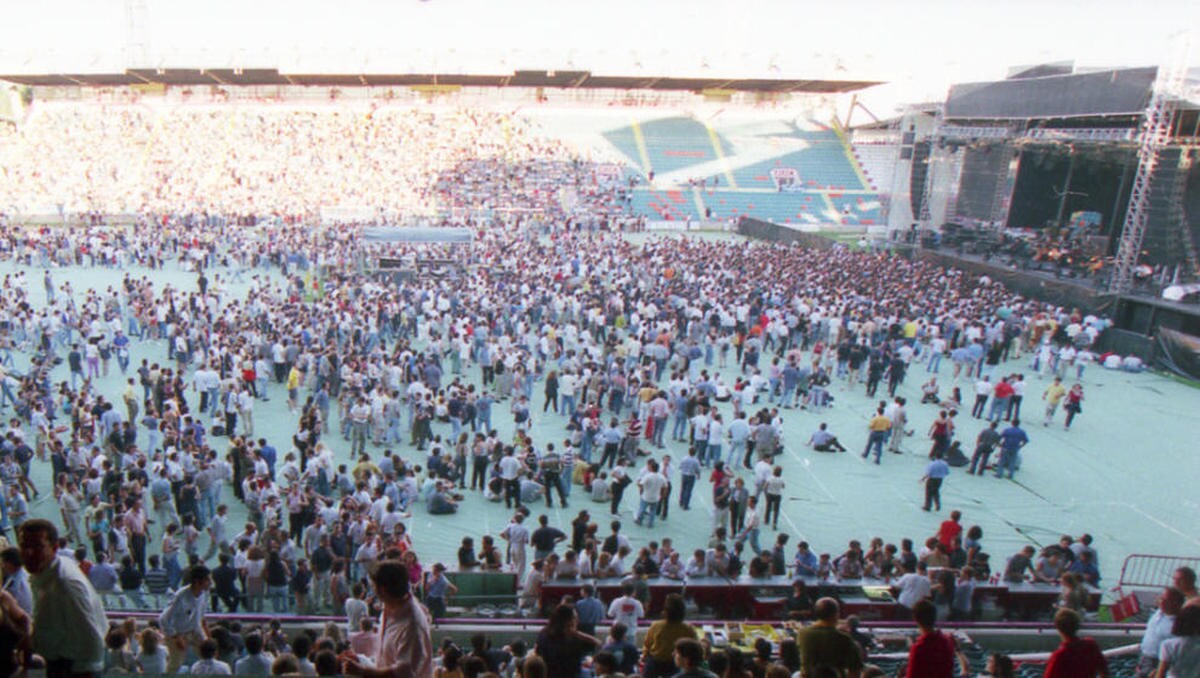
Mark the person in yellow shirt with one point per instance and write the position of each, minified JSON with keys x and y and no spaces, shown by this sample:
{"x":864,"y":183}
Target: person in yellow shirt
{"x":1053,"y":395}
{"x":295,"y":376}
{"x":660,"y":640}
{"x":878,"y":427}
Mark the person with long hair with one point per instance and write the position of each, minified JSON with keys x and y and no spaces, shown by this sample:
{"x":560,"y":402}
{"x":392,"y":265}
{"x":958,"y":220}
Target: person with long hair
{"x":1000,"y":666}
{"x":561,"y":645}
{"x":659,"y":645}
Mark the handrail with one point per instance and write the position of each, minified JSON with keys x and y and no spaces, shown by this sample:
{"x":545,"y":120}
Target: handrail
{"x":539,"y":621}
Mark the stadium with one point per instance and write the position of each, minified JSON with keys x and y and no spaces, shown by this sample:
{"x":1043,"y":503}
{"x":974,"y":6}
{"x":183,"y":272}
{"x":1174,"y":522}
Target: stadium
{"x":346,"y":340}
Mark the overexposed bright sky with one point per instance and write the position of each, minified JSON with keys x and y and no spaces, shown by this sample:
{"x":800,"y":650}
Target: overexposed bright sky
{"x":920,"y":47}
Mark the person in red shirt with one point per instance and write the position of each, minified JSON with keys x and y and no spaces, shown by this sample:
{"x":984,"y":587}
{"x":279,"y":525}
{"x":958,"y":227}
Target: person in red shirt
{"x":950,"y":529}
{"x":933,"y":653}
{"x":1075,"y":657}
{"x":1001,"y":398}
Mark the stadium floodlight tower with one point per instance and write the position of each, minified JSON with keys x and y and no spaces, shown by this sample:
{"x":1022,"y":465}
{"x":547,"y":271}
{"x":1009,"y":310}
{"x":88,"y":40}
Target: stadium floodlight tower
{"x":1159,"y":120}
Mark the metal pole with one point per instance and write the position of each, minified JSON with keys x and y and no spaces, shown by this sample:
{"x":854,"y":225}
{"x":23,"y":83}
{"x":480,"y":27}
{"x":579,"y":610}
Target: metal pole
{"x":1117,"y":198}
{"x":1066,"y":191}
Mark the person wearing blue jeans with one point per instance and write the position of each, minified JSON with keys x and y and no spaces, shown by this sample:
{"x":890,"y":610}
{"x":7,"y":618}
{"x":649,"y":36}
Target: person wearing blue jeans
{"x":749,"y":533}
{"x":689,"y":471}
{"x":651,"y":485}
{"x":879,"y":427}
{"x":1012,"y":439}
{"x":680,"y":428}
{"x":876,"y":441}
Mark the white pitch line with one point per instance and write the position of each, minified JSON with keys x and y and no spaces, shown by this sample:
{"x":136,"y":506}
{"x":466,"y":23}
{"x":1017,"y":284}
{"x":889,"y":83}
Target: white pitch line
{"x":808,"y":467}
{"x":795,"y":528}
{"x":1161,"y":524}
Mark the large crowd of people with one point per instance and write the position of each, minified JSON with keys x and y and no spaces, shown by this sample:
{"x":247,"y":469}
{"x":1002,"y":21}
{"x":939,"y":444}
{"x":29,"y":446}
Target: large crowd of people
{"x":143,"y":399}
{"x":285,"y":160}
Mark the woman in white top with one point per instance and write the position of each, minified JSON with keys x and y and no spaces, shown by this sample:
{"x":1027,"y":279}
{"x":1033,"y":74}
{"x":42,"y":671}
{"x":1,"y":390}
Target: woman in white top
{"x":1180,"y":656}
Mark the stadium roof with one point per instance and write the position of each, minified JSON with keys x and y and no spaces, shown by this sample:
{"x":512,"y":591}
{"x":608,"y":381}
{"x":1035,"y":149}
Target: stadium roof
{"x":559,"y":79}
{"x":918,"y":49}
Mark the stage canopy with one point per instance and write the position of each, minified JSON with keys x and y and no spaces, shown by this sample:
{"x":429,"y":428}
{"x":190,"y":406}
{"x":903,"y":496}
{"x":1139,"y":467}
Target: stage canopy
{"x":407,"y":234}
{"x":1114,"y":92}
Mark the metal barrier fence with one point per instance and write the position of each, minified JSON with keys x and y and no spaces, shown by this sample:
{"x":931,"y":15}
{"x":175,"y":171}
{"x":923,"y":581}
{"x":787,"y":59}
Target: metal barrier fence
{"x":1140,"y":571}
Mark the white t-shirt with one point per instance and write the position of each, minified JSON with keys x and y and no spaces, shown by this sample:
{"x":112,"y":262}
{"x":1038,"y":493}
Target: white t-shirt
{"x":510,"y":468}
{"x":913,"y":589}
{"x":652,"y":486}
{"x":626,"y":610}
{"x":774,"y":485}
{"x":1183,"y":654}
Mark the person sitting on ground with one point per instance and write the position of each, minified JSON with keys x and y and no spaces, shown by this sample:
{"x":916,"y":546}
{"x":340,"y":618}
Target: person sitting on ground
{"x":601,"y":491}
{"x":929,"y":392}
{"x":441,"y":502}
{"x":824,"y":441}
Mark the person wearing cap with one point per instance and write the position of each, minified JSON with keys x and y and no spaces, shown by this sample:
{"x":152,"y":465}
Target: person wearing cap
{"x":182,"y":621}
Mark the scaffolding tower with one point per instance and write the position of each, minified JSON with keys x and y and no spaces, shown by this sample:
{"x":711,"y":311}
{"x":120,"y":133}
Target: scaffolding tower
{"x":1178,"y":214}
{"x":1156,"y":136}
{"x":925,"y":215}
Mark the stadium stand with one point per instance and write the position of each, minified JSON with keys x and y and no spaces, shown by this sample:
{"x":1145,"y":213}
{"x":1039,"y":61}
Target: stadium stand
{"x":741,"y":167}
{"x":877,"y":162}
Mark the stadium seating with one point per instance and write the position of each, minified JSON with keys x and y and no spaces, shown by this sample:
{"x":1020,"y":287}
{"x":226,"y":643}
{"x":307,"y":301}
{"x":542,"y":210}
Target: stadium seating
{"x":735,"y":160}
{"x":669,"y":205}
{"x":670,"y":144}
{"x":878,"y":162}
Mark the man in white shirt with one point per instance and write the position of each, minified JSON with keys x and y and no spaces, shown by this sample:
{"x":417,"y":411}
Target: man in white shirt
{"x":914,"y":586}
{"x":1158,"y":629}
{"x":762,"y":471}
{"x":69,"y":623}
{"x":700,"y":435}
{"x":983,"y":390}
{"x":652,"y":483}
{"x":627,"y":610}
{"x":517,"y":536}
{"x":182,"y":622}
{"x":510,"y":473}
{"x":208,"y":383}
{"x":716,"y":431}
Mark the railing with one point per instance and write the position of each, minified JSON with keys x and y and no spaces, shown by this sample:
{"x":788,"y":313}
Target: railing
{"x":973,"y":132}
{"x":1155,"y":572}
{"x":1128,"y":134}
